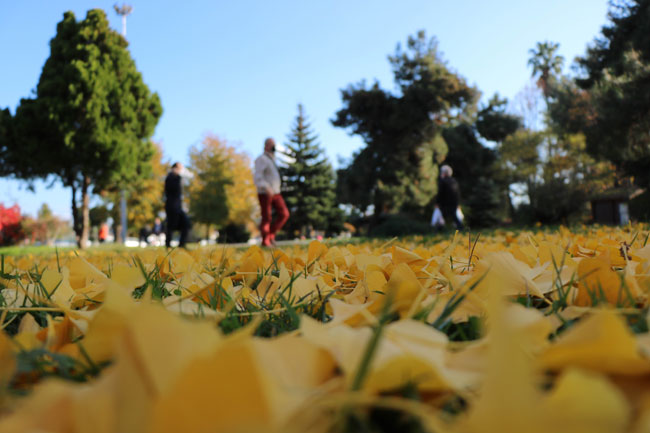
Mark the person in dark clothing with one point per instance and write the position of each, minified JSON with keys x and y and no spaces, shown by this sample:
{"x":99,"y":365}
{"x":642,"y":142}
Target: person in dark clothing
{"x":176,"y":217}
{"x":143,"y":234}
{"x":448,"y":198}
{"x":157,"y":227}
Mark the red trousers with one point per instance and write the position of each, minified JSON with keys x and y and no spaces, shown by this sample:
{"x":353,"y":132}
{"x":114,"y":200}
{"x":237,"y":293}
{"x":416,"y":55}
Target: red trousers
{"x":267,"y":228}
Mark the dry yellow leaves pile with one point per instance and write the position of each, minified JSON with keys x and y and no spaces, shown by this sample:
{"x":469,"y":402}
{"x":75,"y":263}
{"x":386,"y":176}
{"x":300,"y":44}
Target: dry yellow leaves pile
{"x":542,"y":332}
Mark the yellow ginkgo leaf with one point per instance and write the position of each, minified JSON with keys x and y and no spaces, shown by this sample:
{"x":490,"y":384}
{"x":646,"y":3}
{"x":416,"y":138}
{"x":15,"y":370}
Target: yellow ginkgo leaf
{"x":83,"y":273}
{"x":532,"y":326}
{"x":404,"y":287}
{"x":181,"y":262}
{"x":57,"y":287}
{"x":597,"y":279}
{"x":363,"y":260}
{"x":48,"y":409}
{"x":509,"y":396}
{"x":153,"y":333}
{"x":585,"y":402}
{"x":352,"y":314}
{"x":295,"y":362}
{"x":315,"y":251}
{"x":516,"y":278}
{"x":601,"y":342}
{"x":107,"y":325}
{"x":7,"y":360}
{"x":129,"y":277}
{"x":415,"y":353}
{"x":94,"y":406}
{"x":28,"y":324}
{"x":401,"y":255}
{"x":344,"y":343}
{"x":225,"y":391}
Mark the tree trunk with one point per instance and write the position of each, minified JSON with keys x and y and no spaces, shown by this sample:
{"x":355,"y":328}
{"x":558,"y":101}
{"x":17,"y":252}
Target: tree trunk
{"x":511,"y":206}
{"x":378,"y":211}
{"x":85,"y":212}
{"x":530,"y":190}
{"x":118,"y":233}
{"x":75,"y":214}
{"x":122,"y":215}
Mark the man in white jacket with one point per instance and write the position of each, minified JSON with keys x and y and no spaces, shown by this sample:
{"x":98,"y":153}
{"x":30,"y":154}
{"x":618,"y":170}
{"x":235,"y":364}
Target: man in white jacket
{"x":268,"y":183}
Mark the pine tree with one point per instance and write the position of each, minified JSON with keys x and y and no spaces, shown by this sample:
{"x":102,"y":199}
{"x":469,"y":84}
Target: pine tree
{"x":89,"y":123}
{"x":309,"y":184}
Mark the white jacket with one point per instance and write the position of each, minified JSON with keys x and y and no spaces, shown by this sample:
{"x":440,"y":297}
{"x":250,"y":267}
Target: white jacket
{"x":266,"y":174}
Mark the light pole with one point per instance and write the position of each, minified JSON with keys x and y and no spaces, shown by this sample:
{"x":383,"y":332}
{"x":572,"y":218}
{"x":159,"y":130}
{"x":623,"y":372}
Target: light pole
{"x":123,"y":11}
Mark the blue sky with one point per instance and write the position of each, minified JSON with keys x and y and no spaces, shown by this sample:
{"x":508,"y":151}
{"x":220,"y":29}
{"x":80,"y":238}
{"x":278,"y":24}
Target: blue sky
{"x":239,"y":68}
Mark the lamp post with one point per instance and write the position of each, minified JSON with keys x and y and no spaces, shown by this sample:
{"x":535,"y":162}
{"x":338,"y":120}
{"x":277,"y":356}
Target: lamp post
{"x":123,"y":11}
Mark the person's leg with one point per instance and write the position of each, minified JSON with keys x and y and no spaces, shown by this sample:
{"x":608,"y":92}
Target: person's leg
{"x":448,"y":214}
{"x":265,"y":224}
{"x":458,"y":222}
{"x":184,"y":223}
{"x":143,"y":236}
{"x":172,"y":220}
{"x":281,"y":214}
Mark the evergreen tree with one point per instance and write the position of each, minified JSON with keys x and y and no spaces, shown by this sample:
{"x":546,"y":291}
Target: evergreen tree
{"x":309,"y":184}
{"x":90,"y":120}
{"x":616,"y":75}
{"x":473,"y":165}
{"x":397,"y":168}
{"x":483,"y":203}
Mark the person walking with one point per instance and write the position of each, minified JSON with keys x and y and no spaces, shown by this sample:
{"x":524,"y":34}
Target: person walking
{"x":156,"y":232}
{"x":176,"y":218}
{"x":157,"y":227}
{"x":268,"y":183}
{"x":448,"y":198}
{"x":103,"y":233}
{"x":143,"y":236}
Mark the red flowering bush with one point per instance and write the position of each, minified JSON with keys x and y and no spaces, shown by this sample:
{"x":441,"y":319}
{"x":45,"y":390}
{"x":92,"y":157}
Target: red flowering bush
{"x":11,"y":230}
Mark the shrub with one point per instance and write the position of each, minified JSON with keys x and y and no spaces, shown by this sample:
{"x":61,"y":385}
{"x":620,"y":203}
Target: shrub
{"x":640,"y":207}
{"x":11,"y":229}
{"x":399,"y":225}
{"x":234,"y":233}
{"x":557,"y":201}
{"x":483,"y":204}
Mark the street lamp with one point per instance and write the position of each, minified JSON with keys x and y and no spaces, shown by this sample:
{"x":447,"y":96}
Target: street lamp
{"x":123,"y":11}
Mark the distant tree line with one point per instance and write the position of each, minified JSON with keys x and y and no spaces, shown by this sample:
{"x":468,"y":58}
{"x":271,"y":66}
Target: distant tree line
{"x":571,"y":138}
{"x":538,"y":158}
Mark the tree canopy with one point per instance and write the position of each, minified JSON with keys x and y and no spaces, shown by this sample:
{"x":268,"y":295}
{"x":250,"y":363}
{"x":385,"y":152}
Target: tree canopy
{"x":91,"y":118}
{"x":222,"y":191}
{"x":401,"y":129}
{"x":616,"y":73}
{"x":546,"y":64}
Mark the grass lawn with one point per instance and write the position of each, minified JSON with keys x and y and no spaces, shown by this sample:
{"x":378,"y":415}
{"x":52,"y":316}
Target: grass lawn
{"x":21,"y":250}
{"x":429,"y":238}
